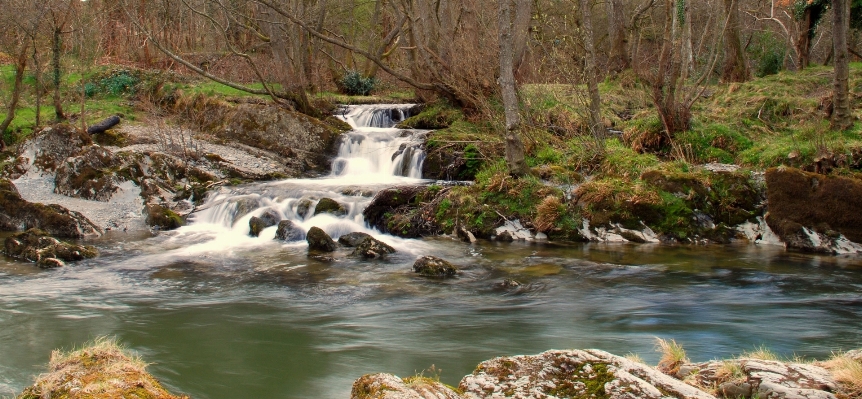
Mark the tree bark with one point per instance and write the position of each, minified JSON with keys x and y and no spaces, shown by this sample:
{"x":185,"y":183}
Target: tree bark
{"x":619,"y":57}
{"x":596,"y":126}
{"x":59,"y":115}
{"x":523,"y":16}
{"x":841,"y":116}
{"x":735,"y":65}
{"x":514,"y":146}
{"x":20,"y":63}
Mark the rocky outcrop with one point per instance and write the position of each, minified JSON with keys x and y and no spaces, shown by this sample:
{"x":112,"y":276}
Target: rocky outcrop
{"x":371,"y":248}
{"x":405,"y":211}
{"x":89,"y":175}
{"x":329,"y":205}
{"x":319,"y":241}
{"x":37,"y":246}
{"x":49,"y":148}
{"x":432,"y":266}
{"x":16,"y":214}
{"x":287,"y":231}
{"x":745,"y":378}
{"x":388,"y":386}
{"x":814,"y":213}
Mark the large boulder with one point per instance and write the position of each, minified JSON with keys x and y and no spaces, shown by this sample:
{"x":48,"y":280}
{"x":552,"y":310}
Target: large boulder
{"x":17,"y":214}
{"x":812,"y":212}
{"x":353,"y":239}
{"x":89,"y":175}
{"x":405,"y":211}
{"x":267,"y":219}
{"x":573,"y":374}
{"x":288,"y":231}
{"x":319,"y":241}
{"x":371,"y":248}
{"x":432,"y":266}
{"x":37,"y":246}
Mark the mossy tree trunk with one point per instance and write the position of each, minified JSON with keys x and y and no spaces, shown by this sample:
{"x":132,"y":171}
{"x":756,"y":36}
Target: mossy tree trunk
{"x":841,"y":115}
{"x":514,"y":146}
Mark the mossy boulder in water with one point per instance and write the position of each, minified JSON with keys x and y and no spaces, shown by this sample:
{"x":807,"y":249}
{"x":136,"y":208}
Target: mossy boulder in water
{"x":288,"y":231}
{"x":161,"y":217}
{"x":319,"y":241}
{"x":329,"y":205}
{"x":371,"y":248}
{"x":353,"y":239}
{"x":17,"y":214}
{"x":432,"y":266}
{"x":267,"y":219}
{"x":100,"y":370}
{"x":811,"y":212}
{"x":38,"y":246}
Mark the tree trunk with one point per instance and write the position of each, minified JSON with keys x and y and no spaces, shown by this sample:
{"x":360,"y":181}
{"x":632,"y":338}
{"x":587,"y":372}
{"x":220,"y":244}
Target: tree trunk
{"x":514,"y":147}
{"x":20,"y":63}
{"x":59,"y":115}
{"x":841,"y":117}
{"x":37,"y":66}
{"x":619,"y":57}
{"x":523,"y":16}
{"x":735,"y":66}
{"x":803,"y":43}
{"x":596,"y":126}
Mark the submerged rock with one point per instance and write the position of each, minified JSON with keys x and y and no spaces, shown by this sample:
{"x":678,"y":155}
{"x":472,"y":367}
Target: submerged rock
{"x":318,"y":240}
{"x":432,"y":266}
{"x":100,"y":370}
{"x":329,"y":205}
{"x":353,"y":239}
{"x":287,"y":231}
{"x":18,"y":214}
{"x":371,"y":248}
{"x":815,"y":213}
{"x":38,"y":246}
{"x":162,"y":218}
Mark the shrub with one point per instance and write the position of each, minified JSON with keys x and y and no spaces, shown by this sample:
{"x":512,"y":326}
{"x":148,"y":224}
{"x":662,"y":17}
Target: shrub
{"x":354,"y":84}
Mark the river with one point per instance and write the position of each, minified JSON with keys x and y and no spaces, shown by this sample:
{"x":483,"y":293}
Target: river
{"x":220,"y":314}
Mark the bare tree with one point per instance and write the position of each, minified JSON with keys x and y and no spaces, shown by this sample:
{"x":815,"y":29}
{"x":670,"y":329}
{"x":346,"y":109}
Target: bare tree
{"x":735,"y":64}
{"x":591,"y":70}
{"x":17,"y":87}
{"x":619,"y":56}
{"x":514,"y":146}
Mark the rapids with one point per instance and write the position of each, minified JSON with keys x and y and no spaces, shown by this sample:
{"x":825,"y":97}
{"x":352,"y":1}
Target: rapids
{"x":220,"y":314}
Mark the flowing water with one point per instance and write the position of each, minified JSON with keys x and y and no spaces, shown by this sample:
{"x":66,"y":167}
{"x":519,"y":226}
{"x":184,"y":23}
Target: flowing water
{"x":220,"y":314}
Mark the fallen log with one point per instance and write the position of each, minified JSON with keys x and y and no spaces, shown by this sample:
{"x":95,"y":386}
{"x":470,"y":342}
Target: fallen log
{"x":104,"y":125}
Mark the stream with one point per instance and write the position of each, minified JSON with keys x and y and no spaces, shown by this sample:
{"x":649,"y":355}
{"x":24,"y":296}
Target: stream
{"x":220,"y":314}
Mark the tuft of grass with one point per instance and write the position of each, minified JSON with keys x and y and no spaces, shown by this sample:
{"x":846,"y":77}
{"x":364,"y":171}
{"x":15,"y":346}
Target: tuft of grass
{"x":672,"y":356}
{"x":760,"y":353}
{"x":548,"y":213}
{"x":634,"y":357}
{"x":100,"y":369}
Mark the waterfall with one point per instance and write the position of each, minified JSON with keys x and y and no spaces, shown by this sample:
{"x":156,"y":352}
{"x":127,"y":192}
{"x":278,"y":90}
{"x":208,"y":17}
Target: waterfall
{"x":373,"y":156}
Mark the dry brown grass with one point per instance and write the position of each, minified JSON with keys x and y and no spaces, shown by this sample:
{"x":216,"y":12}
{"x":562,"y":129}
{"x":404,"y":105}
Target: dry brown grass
{"x":848,"y":373}
{"x":548,"y":213}
{"x":100,"y":370}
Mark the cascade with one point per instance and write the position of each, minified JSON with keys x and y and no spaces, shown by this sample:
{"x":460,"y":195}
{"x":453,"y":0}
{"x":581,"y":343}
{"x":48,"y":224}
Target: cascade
{"x":373,"y":156}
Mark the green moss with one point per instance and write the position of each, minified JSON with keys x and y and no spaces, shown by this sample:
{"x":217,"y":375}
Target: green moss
{"x":437,"y":115}
{"x":584,"y":382}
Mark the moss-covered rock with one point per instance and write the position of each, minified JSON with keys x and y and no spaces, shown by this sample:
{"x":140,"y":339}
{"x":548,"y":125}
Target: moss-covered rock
{"x":100,"y":370}
{"x":353,"y":239}
{"x":161,"y":217}
{"x":38,"y":246}
{"x":329,"y":205}
{"x":319,"y":241}
{"x":432,"y":266}
{"x":288,"y":231}
{"x":49,"y":148}
{"x":89,"y":175}
{"x":438,"y":115}
{"x":405,"y":211}
{"x":18,"y":214}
